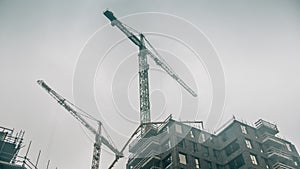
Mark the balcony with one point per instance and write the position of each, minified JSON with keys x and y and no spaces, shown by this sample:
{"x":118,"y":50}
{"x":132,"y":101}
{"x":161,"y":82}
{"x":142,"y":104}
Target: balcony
{"x":154,"y":167}
{"x":265,"y":126}
{"x":140,"y":145}
{"x":148,"y":160}
{"x":275,"y":152}
{"x":279,"y":165}
{"x":271,"y":140}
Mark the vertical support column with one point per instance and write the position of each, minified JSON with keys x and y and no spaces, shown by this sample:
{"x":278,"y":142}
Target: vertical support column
{"x":97,"y":148}
{"x":144,"y":87}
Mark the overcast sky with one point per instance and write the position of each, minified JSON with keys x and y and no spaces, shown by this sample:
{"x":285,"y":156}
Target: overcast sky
{"x":257,"y":44}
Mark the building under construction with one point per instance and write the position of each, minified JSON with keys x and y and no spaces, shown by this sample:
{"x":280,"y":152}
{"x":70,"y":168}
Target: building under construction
{"x":178,"y":145}
{"x":175,"y":145}
{"x":10,"y":145}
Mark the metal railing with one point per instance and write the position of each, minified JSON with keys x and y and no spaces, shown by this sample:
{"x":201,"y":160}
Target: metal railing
{"x":261,"y":123}
{"x":155,"y":127}
{"x":151,"y":154}
{"x":275,"y":151}
{"x":280,"y":165}
{"x":143,"y":146}
{"x":267,"y":136}
{"x":25,"y":162}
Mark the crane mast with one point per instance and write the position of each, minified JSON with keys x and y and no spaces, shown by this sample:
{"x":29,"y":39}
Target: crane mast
{"x":97,"y":148}
{"x":145,"y":117}
{"x":144,"y":86}
{"x":99,"y":139}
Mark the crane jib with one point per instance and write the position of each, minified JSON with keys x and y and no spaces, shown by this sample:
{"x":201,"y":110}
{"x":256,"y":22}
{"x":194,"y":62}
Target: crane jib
{"x":73,"y":111}
{"x":138,"y":42}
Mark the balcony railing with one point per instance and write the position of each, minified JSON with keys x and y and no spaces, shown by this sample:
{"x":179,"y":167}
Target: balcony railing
{"x":154,"y":167}
{"x":269,"y":127}
{"x":272,"y":151}
{"x":145,"y":146}
{"x":279,"y":165}
{"x":147,"y":157}
{"x":269,"y":137}
{"x":154,"y":127}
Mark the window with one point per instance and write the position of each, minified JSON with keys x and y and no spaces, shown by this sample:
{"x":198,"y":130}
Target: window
{"x":237,"y":162}
{"x":231,"y":148}
{"x":182,"y":159}
{"x":181,"y":142}
{"x":219,"y":166}
{"x":178,"y":128}
{"x":167,"y":161}
{"x":248,"y":143}
{"x":215,"y":153}
{"x":2,"y":136}
{"x":197,"y":163}
{"x":205,"y":151}
{"x":195,"y":147}
{"x":253,"y":159}
{"x":209,"y":165}
{"x":167,"y":145}
{"x":296,"y":161}
{"x":260,"y":147}
{"x":201,"y":138}
{"x":288,"y":146}
{"x":266,"y":162}
{"x":192,"y":134}
{"x":244,"y":130}
{"x":224,"y":137}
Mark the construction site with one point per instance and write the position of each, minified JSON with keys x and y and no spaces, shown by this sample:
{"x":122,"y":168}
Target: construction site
{"x":170,"y":143}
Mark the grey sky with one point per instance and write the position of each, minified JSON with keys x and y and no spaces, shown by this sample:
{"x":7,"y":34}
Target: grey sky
{"x":257,"y":43}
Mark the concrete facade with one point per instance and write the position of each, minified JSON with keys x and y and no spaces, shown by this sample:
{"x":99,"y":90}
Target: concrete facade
{"x":175,"y":145}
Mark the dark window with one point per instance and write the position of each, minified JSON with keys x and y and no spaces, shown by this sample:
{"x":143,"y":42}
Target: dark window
{"x":209,"y":165}
{"x":205,"y":151}
{"x":216,"y":152}
{"x":224,"y":137}
{"x":237,"y":162}
{"x":231,"y":148}
{"x":2,"y":136}
{"x":195,"y":147}
{"x":260,"y":147}
{"x":266,"y":162}
{"x":219,"y":166}
{"x":167,"y":161}
{"x":181,"y":142}
{"x":256,"y":134}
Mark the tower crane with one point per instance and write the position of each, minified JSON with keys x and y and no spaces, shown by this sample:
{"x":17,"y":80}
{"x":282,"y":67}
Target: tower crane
{"x":144,"y":51}
{"x":99,"y":139}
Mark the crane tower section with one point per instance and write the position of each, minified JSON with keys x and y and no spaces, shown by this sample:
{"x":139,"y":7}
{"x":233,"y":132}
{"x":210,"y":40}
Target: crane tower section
{"x":145,"y":117}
